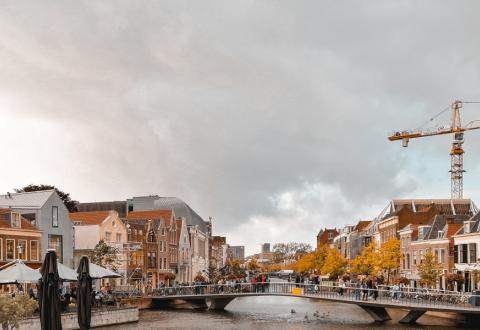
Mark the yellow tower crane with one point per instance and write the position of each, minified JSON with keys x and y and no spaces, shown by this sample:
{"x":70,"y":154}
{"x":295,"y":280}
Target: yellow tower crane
{"x":456,"y":153}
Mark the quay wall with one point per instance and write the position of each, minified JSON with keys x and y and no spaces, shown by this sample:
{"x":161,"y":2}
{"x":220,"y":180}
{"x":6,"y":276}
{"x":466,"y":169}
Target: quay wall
{"x":99,"y":318}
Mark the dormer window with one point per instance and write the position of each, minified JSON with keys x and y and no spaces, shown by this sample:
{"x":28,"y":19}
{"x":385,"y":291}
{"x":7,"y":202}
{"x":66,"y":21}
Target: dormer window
{"x":15,"y":220}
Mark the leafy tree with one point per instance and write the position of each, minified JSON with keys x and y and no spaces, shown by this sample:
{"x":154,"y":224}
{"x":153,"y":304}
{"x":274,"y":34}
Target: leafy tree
{"x":454,"y":278}
{"x":335,"y":264}
{"x":252,"y":264}
{"x":105,"y":255}
{"x":170,"y":277}
{"x":428,"y":269}
{"x":312,"y":261}
{"x":12,"y":309}
{"x":367,"y":262}
{"x":70,"y":204}
{"x":286,"y":252}
{"x":390,"y":257}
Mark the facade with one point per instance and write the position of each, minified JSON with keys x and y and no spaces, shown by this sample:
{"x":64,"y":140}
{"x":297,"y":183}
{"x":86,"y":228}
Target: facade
{"x":19,"y":239}
{"x":435,"y":237}
{"x":467,"y":252}
{"x":157,"y":231}
{"x":92,"y":227}
{"x":184,"y":273}
{"x":342,"y":241}
{"x":236,"y":253}
{"x":199,"y":230}
{"x":359,"y":238}
{"x":218,"y":257}
{"x":46,"y":211}
{"x":326,"y":236}
{"x":265,"y":248}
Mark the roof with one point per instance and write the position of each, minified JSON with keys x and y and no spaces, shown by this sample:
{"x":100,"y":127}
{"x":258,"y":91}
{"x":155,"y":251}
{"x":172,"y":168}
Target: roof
{"x":27,"y":200}
{"x":89,"y":218}
{"x":143,"y":215}
{"x":476,"y":225}
{"x":180,"y":208}
{"x":443,"y":206}
{"x":361,"y":225}
{"x":7,"y":224}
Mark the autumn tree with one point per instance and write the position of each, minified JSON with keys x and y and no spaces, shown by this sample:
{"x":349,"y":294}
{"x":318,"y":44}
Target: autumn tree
{"x":252,"y":264}
{"x":13,"y":309}
{"x":105,"y":255}
{"x":70,"y":204}
{"x":367,"y":263}
{"x":428,"y":269}
{"x":389,"y":259}
{"x":334,"y":265}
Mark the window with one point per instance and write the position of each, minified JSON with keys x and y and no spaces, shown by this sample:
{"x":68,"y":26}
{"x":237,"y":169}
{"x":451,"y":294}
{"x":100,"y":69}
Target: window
{"x":15,"y":220}
{"x":119,"y":237}
{"x":408,"y":260}
{"x":472,"y":247}
{"x":414,"y":257}
{"x":464,"y":254}
{"x":163,"y":231}
{"x":22,"y":249}
{"x":30,"y":217}
{"x":1,"y":249}
{"x":54,"y":216}
{"x":442,"y":256}
{"x":108,"y":236}
{"x":56,"y":242}
{"x":34,"y":250}
{"x":152,"y":260}
{"x":10,"y":249}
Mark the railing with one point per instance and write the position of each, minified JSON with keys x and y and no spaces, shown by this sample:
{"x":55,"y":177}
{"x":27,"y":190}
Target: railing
{"x":414,"y":298}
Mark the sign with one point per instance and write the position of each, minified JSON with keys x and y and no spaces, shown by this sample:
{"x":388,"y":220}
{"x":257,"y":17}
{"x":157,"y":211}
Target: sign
{"x":297,"y":291}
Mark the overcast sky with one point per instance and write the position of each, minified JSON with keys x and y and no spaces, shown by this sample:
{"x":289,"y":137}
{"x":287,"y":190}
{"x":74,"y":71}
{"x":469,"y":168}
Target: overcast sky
{"x":269,"y":116}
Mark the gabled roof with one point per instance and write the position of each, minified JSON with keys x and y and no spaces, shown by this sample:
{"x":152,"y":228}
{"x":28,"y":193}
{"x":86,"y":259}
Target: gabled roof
{"x":89,"y":218}
{"x":475,"y":228}
{"x":362,"y":224}
{"x":7,"y":224}
{"x":27,"y":200}
{"x":180,"y":208}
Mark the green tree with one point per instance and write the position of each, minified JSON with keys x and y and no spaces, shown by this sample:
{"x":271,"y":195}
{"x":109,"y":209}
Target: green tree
{"x":12,"y":309}
{"x":70,"y":204}
{"x":335,"y":264}
{"x":367,"y":262}
{"x":428,"y":269}
{"x":105,"y":255}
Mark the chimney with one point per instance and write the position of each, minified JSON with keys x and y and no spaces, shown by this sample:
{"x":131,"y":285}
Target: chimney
{"x":467,"y":227}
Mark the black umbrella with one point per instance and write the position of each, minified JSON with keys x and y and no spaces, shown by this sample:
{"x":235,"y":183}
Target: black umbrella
{"x":84,"y":291}
{"x":49,"y":294}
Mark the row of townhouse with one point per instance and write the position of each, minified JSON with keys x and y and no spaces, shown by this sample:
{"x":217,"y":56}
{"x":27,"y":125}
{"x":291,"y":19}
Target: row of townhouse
{"x":154,"y":236}
{"x":449,"y":229}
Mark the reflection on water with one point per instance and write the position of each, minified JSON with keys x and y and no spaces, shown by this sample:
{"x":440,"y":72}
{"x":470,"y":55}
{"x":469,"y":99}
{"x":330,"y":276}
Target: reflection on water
{"x":275,"y":313}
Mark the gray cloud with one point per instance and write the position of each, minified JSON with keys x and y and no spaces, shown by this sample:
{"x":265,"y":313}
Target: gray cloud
{"x":236,"y":106}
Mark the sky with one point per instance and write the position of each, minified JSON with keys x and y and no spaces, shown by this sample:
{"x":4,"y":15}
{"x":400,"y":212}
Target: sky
{"x":269,"y":116}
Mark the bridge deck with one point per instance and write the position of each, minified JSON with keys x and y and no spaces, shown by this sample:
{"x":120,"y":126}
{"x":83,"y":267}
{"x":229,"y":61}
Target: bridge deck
{"x":428,"y":302}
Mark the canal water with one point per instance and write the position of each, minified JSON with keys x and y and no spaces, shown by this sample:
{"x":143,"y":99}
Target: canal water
{"x":275,"y":313}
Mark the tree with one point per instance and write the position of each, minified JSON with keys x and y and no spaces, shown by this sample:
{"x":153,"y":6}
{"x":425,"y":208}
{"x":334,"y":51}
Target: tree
{"x":312,"y":261}
{"x":70,"y":204}
{"x":428,"y":269}
{"x":455,"y":279}
{"x":389,"y":257}
{"x":367,"y":262}
{"x":170,"y":277}
{"x":105,"y":255}
{"x":286,"y":252}
{"x":335,"y":264}
{"x":12,"y":309}
{"x":252,"y":264}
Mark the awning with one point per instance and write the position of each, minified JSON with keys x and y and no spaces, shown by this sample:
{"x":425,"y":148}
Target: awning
{"x":18,"y":272}
{"x":97,"y":272}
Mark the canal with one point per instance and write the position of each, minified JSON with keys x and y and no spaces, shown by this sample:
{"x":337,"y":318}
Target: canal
{"x":276,"y":313}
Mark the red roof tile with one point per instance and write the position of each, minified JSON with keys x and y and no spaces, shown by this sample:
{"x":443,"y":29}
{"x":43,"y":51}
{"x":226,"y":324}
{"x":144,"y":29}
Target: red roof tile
{"x":89,"y":218}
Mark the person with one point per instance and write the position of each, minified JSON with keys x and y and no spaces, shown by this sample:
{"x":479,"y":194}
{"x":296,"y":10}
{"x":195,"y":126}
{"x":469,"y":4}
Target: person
{"x":31,"y":294}
{"x":364,"y":290}
{"x":375,"y":291}
{"x":358,"y":291}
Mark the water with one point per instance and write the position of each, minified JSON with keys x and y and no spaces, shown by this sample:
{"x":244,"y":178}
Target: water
{"x":275,"y":313}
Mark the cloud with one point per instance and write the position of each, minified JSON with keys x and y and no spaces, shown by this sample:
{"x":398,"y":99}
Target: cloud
{"x":237,"y":108}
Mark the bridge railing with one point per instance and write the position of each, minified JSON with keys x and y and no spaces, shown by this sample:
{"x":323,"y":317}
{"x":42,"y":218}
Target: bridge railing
{"x":419,"y":298}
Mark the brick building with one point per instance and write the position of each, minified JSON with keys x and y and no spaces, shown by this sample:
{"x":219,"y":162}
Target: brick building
{"x":19,"y":239}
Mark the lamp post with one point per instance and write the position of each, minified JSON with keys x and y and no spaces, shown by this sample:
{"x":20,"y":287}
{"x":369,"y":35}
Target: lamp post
{"x":126,"y":250}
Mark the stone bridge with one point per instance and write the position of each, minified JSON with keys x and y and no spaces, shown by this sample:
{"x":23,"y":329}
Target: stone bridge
{"x":415,"y":303}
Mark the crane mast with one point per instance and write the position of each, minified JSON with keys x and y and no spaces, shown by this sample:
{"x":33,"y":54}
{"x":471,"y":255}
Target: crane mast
{"x":456,"y":152}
